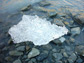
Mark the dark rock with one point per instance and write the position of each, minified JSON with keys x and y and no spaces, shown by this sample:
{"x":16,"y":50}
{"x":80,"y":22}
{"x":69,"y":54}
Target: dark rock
{"x":70,"y":61}
{"x":75,"y":31}
{"x":34,"y":52}
{"x":15,"y":53}
{"x":57,"y":56}
{"x":80,"y":49}
{"x":2,"y":45}
{"x":17,"y":61}
{"x":8,"y":58}
{"x":42,"y":56}
{"x":27,"y":48}
{"x":10,"y":41}
{"x":52,"y":13}
{"x":79,"y":18}
{"x":20,"y":48}
{"x":79,"y":60}
{"x":47,"y":47}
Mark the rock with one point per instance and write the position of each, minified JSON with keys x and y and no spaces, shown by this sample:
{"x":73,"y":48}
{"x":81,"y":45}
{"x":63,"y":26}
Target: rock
{"x":2,"y":45}
{"x":72,"y":39}
{"x":54,"y":50}
{"x":75,"y":31}
{"x":47,"y":47}
{"x":73,"y":57}
{"x":34,"y":52}
{"x":32,"y":61}
{"x":57,"y":56}
{"x":8,"y":58}
{"x":27,"y":48}
{"x":42,"y":56}
{"x":80,"y":49}
{"x":26,"y":8}
{"x":65,"y":54}
{"x":17,"y":61}
{"x":79,"y":60}
{"x":15,"y":53}
{"x":52,"y":14}
{"x":10,"y":41}
{"x":70,"y":61}
{"x":58,"y":22}
{"x":20,"y":48}
{"x":44,"y":3}
{"x":79,"y":18}
{"x":62,"y":39}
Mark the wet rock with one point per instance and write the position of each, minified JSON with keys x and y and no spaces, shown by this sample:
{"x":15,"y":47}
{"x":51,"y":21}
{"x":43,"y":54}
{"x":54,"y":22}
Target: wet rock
{"x":15,"y":53}
{"x":8,"y":58}
{"x":52,"y":14}
{"x":2,"y":45}
{"x":80,"y":18}
{"x":20,"y":48}
{"x":62,"y":39}
{"x":57,"y":56}
{"x":42,"y":56}
{"x":17,"y":61}
{"x":32,"y":61}
{"x":75,"y":31}
{"x":27,"y":48}
{"x":26,"y":8}
{"x":80,"y":50}
{"x":58,"y":22}
{"x":73,"y":57}
{"x":44,"y":3}
{"x":34,"y":52}
{"x":65,"y":54}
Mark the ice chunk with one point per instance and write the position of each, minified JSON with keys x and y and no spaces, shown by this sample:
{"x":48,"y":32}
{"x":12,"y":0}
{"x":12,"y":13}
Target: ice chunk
{"x":37,"y":30}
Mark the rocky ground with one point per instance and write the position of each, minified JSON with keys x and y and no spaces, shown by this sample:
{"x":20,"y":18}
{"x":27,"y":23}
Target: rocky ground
{"x":66,"y":49}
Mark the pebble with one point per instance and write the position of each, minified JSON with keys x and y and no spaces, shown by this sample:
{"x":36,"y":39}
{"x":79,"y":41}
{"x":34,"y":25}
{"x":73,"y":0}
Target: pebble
{"x":15,"y":53}
{"x":17,"y":61}
{"x":20,"y":48}
{"x":34,"y":52}
{"x":75,"y":31}
{"x":65,"y":54}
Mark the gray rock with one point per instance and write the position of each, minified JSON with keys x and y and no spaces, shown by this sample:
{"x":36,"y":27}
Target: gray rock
{"x":58,"y":22}
{"x":52,"y":14}
{"x":65,"y":54}
{"x":2,"y":45}
{"x":34,"y":52}
{"x":44,"y":3}
{"x":32,"y":61}
{"x":57,"y":56}
{"x":42,"y":56}
{"x":75,"y":31}
{"x":73,"y":57}
{"x":54,"y":50}
{"x":26,"y":8}
{"x":70,"y":61}
{"x":17,"y":61}
{"x":79,"y":18}
{"x":79,"y":60}
{"x":80,"y":49}
{"x":47,"y":46}
{"x":15,"y":53}
{"x":8,"y":58}
{"x":20,"y":48}
{"x":62,"y":39}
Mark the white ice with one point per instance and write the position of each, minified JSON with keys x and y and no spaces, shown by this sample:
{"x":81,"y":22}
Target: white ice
{"x":37,"y":30}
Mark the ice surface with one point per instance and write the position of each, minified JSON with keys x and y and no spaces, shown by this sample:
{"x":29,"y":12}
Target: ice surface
{"x":37,"y":30}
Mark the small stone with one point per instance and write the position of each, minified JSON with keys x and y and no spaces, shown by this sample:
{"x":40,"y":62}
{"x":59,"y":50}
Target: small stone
{"x":79,"y":60}
{"x":26,"y":8}
{"x":17,"y":61}
{"x":57,"y":41}
{"x":52,"y":14}
{"x":27,"y":48}
{"x":33,"y":60}
{"x":72,"y":39}
{"x":34,"y":52}
{"x":20,"y":48}
{"x":47,"y":46}
{"x":8,"y":58}
{"x":80,"y":18}
{"x":42,"y":56}
{"x":75,"y":31}
{"x":70,"y":61}
{"x":65,"y":54}
{"x":10,"y":41}
{"x":44,"y":3}
{"x":57,"y":56}
{"x":80,"y":49}
{"x":54,"y":50}
{"x":62,"y":39}
{"x":15,"y":53}
{"x":58,"y":22}
{"x":73,"y":57}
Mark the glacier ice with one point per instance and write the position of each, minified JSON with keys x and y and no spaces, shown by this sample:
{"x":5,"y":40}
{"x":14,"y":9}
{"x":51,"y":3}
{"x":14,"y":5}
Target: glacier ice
{"x":37,"y":30}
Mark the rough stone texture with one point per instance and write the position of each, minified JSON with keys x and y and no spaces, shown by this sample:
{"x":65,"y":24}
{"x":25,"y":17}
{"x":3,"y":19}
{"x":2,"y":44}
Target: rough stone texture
{"x":39,"y":31}
{"x":21,"y":48}
{"x":17,"y":61}
{"x":34,"y":52}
